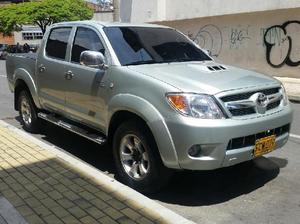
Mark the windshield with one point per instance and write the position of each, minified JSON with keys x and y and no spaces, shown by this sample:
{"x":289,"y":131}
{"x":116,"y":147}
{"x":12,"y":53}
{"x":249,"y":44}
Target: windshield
{"x":146,"y":45}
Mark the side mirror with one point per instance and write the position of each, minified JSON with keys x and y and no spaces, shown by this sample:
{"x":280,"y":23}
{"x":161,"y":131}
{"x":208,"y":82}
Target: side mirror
{"x":93,"y":59}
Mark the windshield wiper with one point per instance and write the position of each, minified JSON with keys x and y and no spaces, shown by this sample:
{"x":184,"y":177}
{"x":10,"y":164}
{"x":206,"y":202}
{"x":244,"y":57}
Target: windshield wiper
{"x":141,"y":62}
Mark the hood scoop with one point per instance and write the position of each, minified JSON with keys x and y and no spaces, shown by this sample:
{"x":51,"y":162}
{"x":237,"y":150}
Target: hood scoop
{"x":216,"y":68}
{"x":209,"y":68}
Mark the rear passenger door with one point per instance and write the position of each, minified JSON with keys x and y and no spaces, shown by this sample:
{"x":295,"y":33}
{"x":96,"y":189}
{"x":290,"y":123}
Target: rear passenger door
{"x":51,"y":68}
{"x":85,"y":90}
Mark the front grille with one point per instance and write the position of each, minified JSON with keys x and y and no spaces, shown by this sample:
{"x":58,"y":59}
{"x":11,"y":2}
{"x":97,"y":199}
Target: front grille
{"x":244,"y":96}
{"x":242,"y":111}
{"x":249,"y":140}
{"x":273,"y":105}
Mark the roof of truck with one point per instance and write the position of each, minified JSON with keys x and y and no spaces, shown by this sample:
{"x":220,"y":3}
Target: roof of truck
{"x":110,"y":24}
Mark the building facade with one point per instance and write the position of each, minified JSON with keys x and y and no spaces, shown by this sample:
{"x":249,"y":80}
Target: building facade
{"x":29,"y":34}
{"x":258,"y":35}
{"x":7,"y":39}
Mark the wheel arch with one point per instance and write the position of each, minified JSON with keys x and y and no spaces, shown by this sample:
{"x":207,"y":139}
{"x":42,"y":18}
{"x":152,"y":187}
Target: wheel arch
{"x":124,"y":107}
{"x":24,"y":81}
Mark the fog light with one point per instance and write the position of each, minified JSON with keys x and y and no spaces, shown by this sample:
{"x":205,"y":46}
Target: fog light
{"x":194,"y":151}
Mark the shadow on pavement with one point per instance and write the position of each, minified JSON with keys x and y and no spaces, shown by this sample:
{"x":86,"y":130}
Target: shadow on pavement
{"x":189,"y":188}
{"x":200,"y":188}
{"x":90,"y":152}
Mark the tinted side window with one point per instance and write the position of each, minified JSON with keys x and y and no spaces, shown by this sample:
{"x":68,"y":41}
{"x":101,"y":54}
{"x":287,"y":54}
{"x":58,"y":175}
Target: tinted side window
{"x":85,"y":39}
{"x":57,"y":43}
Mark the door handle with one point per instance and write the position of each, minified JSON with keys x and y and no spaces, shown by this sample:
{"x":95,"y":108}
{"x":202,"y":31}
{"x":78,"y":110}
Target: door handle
{"x":69,"y":75}
{"x":42,"y":68}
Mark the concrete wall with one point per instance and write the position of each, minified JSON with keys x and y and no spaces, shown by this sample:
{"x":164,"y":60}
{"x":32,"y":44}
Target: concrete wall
{"x":239,"y":39}
{"x":169,"y":10}
{"x":143,"y":11}
{"x":179,"y":9}
{"x":103,"y":16}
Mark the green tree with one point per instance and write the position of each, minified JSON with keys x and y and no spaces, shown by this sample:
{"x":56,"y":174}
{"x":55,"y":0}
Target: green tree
{"x":42,"y":13}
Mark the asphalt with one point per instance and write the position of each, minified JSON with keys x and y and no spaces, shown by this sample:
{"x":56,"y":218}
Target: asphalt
{"x":266,"y":192}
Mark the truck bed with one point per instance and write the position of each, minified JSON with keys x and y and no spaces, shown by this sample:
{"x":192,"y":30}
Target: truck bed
{"x":24,"y":61}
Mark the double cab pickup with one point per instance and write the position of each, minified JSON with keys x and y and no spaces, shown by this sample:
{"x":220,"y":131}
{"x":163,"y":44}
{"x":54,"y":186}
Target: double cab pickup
{"x":158,"y":100}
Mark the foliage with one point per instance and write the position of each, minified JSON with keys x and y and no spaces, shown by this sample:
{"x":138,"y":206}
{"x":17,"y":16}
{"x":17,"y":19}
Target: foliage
{"x":42,"y":13}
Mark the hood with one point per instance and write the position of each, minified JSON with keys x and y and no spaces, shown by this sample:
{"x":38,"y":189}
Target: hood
{"x":204,"y":77}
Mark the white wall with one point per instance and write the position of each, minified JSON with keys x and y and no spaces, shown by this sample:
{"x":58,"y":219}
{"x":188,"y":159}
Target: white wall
{"x":168,"y":10}
{"x":103,"y":16}
{"x":187,"y":9}
{"x":144,"y":11}
{"x":19,"y":39}
{"x":239,"y":39}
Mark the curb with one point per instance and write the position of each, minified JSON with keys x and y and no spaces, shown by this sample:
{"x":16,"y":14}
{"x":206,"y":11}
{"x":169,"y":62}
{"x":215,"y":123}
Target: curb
{"x":286,"y":81}
{"x":294,"y":98}
{"x":149,"y":207}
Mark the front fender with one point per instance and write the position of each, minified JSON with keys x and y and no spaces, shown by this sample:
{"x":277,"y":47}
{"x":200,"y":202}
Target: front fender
{"x":154,"y":120}
{"x":22,"y":74}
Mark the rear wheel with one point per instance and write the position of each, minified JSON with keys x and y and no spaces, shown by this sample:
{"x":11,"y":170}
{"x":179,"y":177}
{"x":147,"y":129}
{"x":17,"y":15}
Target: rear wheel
{"x":137,"y":160}
{"x":28,"y":112}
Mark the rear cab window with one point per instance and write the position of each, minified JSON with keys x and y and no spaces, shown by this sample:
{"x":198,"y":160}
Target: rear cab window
{"x":57,"y":43}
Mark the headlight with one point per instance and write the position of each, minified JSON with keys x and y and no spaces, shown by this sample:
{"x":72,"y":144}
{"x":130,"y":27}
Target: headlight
{"x":195,"y":105}
{"x":284,"y":96}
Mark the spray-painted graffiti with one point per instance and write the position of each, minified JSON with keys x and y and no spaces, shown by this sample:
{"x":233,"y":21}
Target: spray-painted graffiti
{"x":279,"y":42}
{"x":210,"y":38}
{"x":238,"y":36}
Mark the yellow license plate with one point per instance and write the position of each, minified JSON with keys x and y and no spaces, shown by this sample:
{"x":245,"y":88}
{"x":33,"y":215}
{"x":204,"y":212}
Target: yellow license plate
{"x":264,"y":145}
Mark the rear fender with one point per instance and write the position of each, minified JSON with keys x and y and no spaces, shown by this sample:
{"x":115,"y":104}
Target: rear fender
{"x":22,"y":74}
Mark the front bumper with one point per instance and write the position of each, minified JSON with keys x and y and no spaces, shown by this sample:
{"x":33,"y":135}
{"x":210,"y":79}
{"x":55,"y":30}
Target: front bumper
{"x":214,"y":135}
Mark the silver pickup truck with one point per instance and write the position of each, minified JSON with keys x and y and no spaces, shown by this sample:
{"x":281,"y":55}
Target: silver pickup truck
{"x":158,"y":99}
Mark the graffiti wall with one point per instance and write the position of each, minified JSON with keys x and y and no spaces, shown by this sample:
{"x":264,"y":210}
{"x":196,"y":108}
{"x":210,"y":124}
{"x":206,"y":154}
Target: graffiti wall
{"x":268,"y":42}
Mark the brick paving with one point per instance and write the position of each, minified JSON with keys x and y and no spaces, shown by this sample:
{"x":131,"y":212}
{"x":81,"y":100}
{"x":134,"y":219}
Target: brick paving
{"x":45,"y":189}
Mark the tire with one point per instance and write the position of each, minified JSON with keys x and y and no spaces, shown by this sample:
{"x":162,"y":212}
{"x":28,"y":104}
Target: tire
{"x":28,"y":112}
{"x":140,"y":167}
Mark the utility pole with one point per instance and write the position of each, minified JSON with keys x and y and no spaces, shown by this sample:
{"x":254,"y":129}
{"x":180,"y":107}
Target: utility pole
{"x":116,"y":15}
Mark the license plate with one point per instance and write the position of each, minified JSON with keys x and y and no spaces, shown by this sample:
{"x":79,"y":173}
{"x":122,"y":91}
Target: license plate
{"x":264,"y":145}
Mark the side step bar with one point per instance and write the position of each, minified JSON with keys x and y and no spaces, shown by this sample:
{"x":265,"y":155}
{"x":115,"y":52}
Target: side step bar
{"x":73,"y":128}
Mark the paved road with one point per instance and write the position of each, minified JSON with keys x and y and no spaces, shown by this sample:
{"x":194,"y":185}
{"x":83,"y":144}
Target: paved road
{"x":267,"y":192}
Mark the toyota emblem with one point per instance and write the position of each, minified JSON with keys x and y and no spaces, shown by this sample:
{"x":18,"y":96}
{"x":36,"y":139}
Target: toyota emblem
{"x":262,"y":100}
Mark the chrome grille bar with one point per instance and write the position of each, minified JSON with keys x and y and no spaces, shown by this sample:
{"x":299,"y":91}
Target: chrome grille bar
{"x":247,"y":103}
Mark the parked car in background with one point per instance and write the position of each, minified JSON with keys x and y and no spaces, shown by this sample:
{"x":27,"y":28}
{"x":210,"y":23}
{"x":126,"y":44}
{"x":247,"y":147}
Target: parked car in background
{"x":6,"y":49}
{"x":12,"y":48}
{"x":3,"y":51}
{"x":33,"y":47}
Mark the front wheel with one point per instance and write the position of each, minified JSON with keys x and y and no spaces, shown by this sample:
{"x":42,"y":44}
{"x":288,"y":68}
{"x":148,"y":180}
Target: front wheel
{"x":137,"y":160}
{"x":28,"y":112}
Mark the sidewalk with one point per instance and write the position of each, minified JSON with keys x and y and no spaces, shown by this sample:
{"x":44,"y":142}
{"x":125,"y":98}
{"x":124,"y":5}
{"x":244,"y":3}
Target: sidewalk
{"x":41,"y":185}
{"x":292,"y":86}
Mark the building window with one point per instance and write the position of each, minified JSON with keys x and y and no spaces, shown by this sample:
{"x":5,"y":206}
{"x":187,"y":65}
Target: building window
{"x":32,"y":35}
